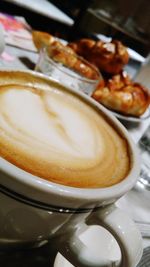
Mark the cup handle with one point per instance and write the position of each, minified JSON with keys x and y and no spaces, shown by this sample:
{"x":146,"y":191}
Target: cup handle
{"x":120,"y":226}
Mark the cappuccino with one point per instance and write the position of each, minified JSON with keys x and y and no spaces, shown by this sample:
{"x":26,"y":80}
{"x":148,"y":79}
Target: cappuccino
{"x":54,"y":134}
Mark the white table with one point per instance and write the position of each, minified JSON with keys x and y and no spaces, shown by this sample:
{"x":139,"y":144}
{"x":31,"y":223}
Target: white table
{"x":44,"y":8}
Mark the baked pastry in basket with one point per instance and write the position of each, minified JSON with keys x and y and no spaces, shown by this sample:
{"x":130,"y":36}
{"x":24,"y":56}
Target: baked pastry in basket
{"x":121,"y":94}
{"x":65,"y":55}
{"x":109,"y":57}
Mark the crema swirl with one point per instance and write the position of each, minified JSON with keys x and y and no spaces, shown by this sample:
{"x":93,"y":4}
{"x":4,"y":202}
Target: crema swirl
{"x":54,"y":134}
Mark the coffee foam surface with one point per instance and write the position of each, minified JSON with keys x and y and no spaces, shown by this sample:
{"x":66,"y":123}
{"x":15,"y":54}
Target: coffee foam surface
{"x":57,"y":136}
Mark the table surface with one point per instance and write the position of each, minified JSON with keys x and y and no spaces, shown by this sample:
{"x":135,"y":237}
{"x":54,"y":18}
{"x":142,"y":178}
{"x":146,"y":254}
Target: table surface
{"x":135,"y":202}
{"x":45,"y":8}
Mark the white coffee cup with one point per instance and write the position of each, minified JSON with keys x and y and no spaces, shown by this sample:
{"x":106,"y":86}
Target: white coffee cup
{"x":34,"y":210}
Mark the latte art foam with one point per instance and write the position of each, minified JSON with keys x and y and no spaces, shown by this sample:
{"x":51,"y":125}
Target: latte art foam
{"x":59,"y":137}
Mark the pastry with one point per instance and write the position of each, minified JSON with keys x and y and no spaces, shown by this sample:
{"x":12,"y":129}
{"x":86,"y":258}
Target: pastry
{"x":121,"y":94}
{"x":108,"y":57}
{"x":41,"y":39}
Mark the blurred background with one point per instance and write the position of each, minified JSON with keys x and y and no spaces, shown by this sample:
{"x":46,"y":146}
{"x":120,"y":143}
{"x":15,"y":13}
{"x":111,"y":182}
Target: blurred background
{"x":128,"y":21}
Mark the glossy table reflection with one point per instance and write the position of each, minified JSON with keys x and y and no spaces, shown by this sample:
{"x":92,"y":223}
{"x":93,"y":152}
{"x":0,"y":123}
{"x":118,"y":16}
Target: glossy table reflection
{"x":35,"y":257}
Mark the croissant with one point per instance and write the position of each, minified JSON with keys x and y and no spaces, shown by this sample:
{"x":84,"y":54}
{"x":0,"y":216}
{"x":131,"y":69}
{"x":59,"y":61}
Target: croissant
{"x":108,"y":57}
{"x":41,"y":39}
{"x":121,"y":94}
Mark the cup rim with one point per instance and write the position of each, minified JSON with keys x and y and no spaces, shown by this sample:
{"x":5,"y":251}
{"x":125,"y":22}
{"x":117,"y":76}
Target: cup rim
{"x":21,"y":181}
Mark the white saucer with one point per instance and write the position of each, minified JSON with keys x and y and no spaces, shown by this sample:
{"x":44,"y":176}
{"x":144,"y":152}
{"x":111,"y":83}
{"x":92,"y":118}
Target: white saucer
{"x":145,"y":116}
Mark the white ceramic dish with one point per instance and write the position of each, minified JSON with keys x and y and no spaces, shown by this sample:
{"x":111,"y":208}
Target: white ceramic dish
{"x":145,"y":116}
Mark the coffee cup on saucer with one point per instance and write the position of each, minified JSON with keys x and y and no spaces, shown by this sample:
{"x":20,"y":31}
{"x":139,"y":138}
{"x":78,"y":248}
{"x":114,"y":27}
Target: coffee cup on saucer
{"x":64,"y":162}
